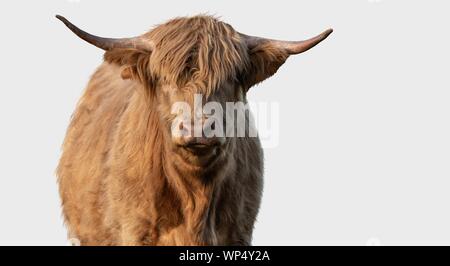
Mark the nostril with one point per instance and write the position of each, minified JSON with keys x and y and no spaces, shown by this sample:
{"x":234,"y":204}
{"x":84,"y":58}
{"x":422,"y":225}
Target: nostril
{"x":213,"y":126}
{"x":181,"y":126}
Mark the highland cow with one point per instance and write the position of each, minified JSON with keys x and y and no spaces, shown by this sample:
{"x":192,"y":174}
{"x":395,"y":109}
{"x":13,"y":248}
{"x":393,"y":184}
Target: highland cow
{"x":125,"y":179}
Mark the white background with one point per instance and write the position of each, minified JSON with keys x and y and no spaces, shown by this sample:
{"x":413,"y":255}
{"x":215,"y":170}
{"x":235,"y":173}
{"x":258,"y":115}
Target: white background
{"x":364,"y":145}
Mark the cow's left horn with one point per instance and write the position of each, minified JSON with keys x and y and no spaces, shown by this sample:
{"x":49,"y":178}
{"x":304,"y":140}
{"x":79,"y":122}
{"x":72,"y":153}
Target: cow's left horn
{"x":108,"y":43}
{"x":291,"y":47}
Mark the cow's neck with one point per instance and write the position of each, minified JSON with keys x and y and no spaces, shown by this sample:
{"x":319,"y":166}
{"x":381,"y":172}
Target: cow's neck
{"x":197,"y":188}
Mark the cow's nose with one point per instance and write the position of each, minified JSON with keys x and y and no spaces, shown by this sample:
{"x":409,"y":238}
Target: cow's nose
{"x":210,"y":128}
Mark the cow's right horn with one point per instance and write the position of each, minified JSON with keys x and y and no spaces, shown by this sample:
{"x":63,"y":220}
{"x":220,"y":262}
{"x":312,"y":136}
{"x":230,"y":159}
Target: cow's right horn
{"x":290,"y":47}
{"x":109,"y":43}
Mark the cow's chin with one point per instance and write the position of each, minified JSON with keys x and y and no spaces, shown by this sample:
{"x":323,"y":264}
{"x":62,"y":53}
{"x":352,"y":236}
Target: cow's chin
{"x":202,"y":148}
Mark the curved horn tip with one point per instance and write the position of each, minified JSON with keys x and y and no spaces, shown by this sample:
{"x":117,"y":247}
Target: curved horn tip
{"x":63,"y":19}
{"x":327,"y":32}
{"x":294,"y":48}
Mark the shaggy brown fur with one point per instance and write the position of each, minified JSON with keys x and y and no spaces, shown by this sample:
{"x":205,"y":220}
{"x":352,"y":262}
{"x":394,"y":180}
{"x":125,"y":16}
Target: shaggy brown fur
{"x":125,"y":181}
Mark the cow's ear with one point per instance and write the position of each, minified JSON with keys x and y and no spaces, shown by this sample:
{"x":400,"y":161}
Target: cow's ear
{"x":127,"y":72}
{"x":131,"y":53}
{"x":134,"y":62}
{"x":265,"y":60}
{"x":267,"y":55}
